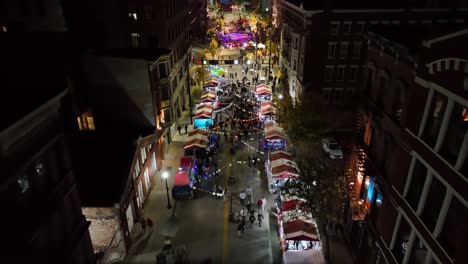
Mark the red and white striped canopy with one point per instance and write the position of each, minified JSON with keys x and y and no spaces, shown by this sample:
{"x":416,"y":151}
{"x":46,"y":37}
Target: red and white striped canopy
{"x":204,"y":111}
{"x":211,"y":82}
{"x":267,"y":108}
{"x":263,"y":89}
{"x":282,"y":165}
{"x":209,"y":96}
{"x":300,"y":230}
{"x":272,"y":131}
{"x":197,"y":139}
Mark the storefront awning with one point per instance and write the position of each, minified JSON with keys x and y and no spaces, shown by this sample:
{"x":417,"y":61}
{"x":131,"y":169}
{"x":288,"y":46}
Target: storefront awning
{"x":267,"y":108}
{"x":284,"y":171}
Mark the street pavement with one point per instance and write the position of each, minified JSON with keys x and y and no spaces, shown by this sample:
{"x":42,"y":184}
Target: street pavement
{"x":202,"y":225}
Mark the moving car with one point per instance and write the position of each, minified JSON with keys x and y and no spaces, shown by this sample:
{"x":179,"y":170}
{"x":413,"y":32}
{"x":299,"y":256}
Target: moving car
{"x":332,"y":147}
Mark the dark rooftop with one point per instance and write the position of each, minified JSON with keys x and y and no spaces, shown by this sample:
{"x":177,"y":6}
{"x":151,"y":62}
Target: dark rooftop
{"x":144,"y":54}
{"x":32,"y":68}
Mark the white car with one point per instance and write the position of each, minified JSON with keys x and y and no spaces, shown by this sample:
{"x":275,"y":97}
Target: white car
{"x":332,"y":147}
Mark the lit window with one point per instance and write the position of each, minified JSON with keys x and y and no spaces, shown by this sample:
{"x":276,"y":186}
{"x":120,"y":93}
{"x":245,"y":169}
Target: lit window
{"x":465,"y":114}
{"x":86,"y":121}
{"x":133,"y":16}
{"x":90,"y":121}
{"x":4,"y":29}
{"x":135,"y":40}
{"x":143,"y":154}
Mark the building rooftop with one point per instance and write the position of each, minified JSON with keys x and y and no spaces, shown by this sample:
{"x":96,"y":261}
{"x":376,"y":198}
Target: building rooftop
{"x":32,"y":68}
{"x":143,"y":54}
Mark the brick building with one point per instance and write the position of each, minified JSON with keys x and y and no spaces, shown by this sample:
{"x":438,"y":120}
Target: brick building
{"x":408,"y":177}
{"x":328,"y":37}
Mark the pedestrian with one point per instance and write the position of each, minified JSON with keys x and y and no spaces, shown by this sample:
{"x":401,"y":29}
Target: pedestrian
{"x":254,"y":160}
{"x":259,"y":204}
{"x":249,"y":205}
{"x":260,"y":218}
{"x":252,"y":220}
{"x":249,"y":161}
{"x":249,"y":193}
{"x":239,"y":229}
{"x":242,"y":197}
{"x":243,"y":213}
{"x":242,"y":225}
{"x":264,"y":203}
{"x":179,"y":128}
{"x":185,"y":127}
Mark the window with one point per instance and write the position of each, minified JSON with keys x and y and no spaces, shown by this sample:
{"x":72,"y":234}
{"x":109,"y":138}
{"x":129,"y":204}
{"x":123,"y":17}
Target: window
{"x":294,"y":64}
{"x":147,"y":179}
{"x":334,"y":28}
{"x":340,"y":73}
{"x":338,"y":96}
{"x":148,"y":12}
{"x":166,"y":115}
{"x":143,"y":155}
{"x":133,"y":16}
{"x":360,"y":28}
{"x":153,"y":163}
{"x":454,"y":234}
{"x":456,"y":131}
{"x":434,"y":120}
{"x":162,"y":70}
{"x":353,"y":73}
{"x":86,"y":121}
{"x":23,"y":183}
{"x":417,"y":183}
{"x":418,"y":252}
{"x":165,"y":92}
{"x":347,"y":28}
{"x":343,"y":50}
{"x":331,"y":50}
{"x":135,"y":40}
{"x":4,"y":29}
{"x":401,"y":240}
{"x":140,"y":192}
{"x":329,"y":73}
{"x":433,"y":204}
{"x":137,"y":168}
{"x":296,"y":41}
{"x":326,"y":92}
{"x":357,"y":49}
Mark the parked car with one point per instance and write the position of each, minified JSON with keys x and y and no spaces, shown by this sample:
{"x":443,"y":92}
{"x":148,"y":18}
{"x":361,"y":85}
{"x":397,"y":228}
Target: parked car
{"x":332,"y":147}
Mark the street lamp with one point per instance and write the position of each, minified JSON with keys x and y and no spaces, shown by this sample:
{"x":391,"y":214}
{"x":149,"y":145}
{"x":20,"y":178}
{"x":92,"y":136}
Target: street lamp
{"x":165,"y":175}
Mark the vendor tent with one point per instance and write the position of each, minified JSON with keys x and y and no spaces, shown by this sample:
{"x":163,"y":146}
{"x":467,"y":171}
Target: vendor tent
{"x":282,"y":165}
{"x":300,"y":230}
{"x":272,"y":131}
{"x":181,"y":178}
{"x":197,"y":139}
{"x":185,"y":162}
{"x":209,"y":96}
{"x":263,"y":89}
{"x":267,"y":108}
{"x":204,"y":111}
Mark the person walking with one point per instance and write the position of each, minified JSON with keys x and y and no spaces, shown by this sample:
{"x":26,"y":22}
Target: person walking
{"x":179,"y":128}
{"x":259,"y":218}
{"x":249,"y":193}
{"x":185,"y":127}
{"x":239,"y":229}
{"x":264,"y":203}
{"x":242,"y":197}
{"x":252,"y":220}
{"x":259,"y":204}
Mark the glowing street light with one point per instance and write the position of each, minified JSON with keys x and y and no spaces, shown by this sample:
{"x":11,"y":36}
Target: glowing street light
{"x":165,"y":175}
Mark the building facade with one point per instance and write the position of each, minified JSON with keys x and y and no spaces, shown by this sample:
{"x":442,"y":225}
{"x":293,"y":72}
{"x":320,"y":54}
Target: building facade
{"x":198,"y":18}
{"x":408,"y":174}
{"x":329,"y":39}
{"x":141,"y":25}
{"x":44,"y":219}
